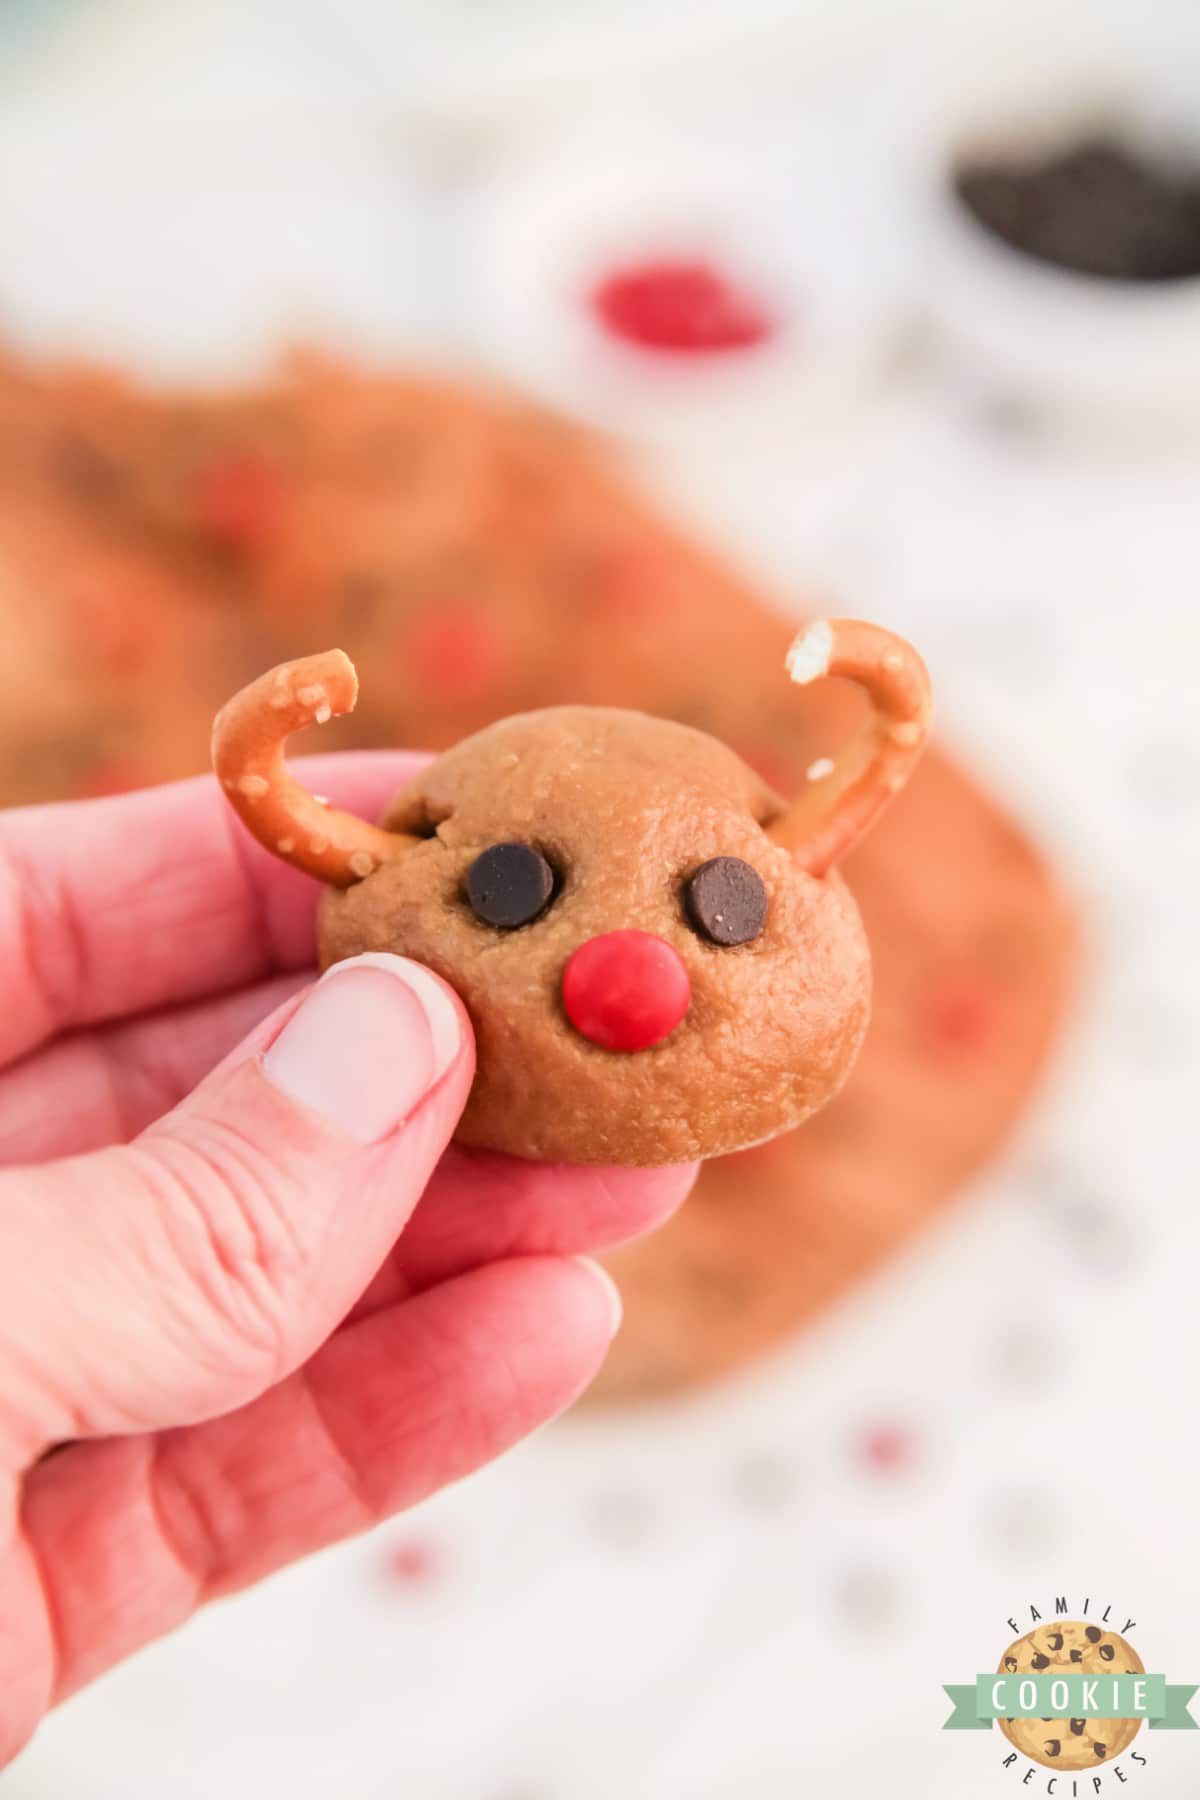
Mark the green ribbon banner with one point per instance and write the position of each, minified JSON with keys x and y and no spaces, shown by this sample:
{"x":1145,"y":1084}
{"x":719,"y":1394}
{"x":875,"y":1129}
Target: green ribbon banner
{"x":1074,"y":1696}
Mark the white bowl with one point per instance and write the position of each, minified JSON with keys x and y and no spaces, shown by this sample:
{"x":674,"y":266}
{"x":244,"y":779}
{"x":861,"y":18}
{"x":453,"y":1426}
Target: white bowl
{"x":797,"y":214}
{"x":1103,"y":349}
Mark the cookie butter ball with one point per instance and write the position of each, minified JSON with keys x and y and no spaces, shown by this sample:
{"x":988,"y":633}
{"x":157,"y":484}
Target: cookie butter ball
{"x":552,"y":885}
{"x":658,"y":958}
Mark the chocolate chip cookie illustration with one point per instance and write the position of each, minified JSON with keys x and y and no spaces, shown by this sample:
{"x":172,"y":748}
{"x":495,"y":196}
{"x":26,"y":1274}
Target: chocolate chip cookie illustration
{"x":1070,"y":1647}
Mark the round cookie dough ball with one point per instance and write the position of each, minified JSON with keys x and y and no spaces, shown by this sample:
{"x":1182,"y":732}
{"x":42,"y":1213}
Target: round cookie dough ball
{"x":724,"y":1044}
{"x":658,"y":956}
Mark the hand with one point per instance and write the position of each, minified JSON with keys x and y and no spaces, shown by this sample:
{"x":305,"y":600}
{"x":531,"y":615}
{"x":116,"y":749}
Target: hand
{"x":213,"y":1285}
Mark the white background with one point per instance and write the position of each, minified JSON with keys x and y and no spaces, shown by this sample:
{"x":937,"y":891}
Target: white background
{"x":688,"y":1603}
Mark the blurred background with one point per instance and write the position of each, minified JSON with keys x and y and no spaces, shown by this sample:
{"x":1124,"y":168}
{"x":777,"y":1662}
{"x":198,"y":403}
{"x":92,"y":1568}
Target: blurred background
{"x":890,"y":307}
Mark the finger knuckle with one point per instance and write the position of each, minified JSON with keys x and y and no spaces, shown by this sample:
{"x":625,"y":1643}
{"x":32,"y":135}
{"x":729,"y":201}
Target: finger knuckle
{"x":231,"y":1213}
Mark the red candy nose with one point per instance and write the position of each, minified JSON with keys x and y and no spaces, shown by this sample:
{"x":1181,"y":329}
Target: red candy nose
{"x":626,"y":990}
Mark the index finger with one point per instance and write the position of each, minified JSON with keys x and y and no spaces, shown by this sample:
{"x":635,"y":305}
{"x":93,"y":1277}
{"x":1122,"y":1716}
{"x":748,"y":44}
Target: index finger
{"x":116,"y":906}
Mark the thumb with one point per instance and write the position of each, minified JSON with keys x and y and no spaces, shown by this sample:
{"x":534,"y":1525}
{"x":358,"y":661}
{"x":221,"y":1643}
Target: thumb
{"x":181,"y":1275}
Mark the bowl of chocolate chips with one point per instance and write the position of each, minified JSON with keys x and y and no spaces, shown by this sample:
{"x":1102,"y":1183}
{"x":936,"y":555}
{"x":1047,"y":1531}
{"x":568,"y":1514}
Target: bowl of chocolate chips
{"x":1064,"y":237}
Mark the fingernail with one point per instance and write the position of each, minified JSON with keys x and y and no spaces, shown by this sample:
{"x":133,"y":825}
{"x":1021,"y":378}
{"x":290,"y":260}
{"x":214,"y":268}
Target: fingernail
{"x":366,"y":1044}
{"x":612,"y":1292}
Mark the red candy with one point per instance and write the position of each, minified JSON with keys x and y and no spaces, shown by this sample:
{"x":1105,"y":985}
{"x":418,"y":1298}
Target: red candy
{"x":413,"y":1561}
{"x":455,"y":653}
{"x":238,"y":502}
{"x":626,"y":990}
{"x":962,"y":1018}
{"x":678,"y":306}
{"x":888,"y":1448}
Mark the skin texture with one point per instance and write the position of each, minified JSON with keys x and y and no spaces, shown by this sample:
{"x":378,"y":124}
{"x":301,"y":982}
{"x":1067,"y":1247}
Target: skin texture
{"x":625,"y":808}
{"x":252,"y":1338}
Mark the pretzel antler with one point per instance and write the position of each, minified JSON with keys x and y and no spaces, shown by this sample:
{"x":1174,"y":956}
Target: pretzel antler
{"x":846,"y":791}
{"x":248,"y":737}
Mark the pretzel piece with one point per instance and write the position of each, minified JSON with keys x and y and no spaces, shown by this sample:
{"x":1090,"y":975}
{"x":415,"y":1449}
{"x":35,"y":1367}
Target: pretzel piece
{"x":847,"y":790}
{"x":248,"y":738}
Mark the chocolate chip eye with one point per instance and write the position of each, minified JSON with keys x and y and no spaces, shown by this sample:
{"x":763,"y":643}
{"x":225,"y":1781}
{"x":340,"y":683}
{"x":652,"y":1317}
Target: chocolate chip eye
{"x":1094,"y":1634}
{"x":726,"y":901}
{"x":1107,"y":1652}
{"x":509,"y":885}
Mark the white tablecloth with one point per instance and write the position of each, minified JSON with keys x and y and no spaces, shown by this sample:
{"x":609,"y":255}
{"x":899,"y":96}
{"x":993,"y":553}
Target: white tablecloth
{"x":733,"y":1596}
